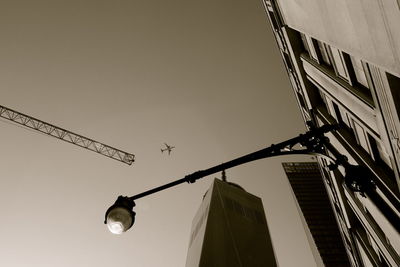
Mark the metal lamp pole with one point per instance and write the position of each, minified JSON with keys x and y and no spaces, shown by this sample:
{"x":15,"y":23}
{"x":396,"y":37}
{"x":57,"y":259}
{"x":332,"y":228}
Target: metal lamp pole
{"x":120,"y":216}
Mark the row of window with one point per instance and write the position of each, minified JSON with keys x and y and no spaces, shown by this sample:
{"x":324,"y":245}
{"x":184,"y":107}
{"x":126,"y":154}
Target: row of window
{"x":356,"y":74}
{"x":383,"y":233}
{"x":371,"y":144}
{"x":364,"y":253}
{"x":348,"y":68}
{"x":346,"y":236}
{"x":367,"y":139}
{"x":370,"y":249}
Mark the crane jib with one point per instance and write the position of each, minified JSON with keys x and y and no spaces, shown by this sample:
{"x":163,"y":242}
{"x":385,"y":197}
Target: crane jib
{"x":65,"y":135}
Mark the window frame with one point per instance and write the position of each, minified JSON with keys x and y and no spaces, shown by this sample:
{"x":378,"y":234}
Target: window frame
{"x":323,"y":53}
{"x":309,"y":44}
{"x":343,"y":62}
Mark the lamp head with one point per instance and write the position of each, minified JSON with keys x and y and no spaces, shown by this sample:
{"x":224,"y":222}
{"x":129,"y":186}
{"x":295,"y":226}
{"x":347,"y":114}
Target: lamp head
{"x":359,"y":178}
{"x":120,"y":216}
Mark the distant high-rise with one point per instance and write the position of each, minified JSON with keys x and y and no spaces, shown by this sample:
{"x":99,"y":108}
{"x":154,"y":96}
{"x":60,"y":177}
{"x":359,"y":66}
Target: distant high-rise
{"x":319,"y":220}
{"x":230,"y":230}
{"x":343,"y":62}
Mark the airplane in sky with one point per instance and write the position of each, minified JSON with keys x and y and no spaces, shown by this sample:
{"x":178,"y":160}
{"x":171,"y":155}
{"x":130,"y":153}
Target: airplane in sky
{"x":168,"y":148}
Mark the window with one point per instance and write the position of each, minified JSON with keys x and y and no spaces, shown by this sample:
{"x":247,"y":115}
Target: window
{"x":347,"y":120}
{"x":273,"y":20}
{"x":323,"y":53}
{"x":339,"y":118}
{"x":324,"y":101}
{"x":288,"y":61}
{"x":377,"y":153}
{"x":394,"y":84}
{"x":343,"y":118}
{"x":305,"y":44}
{"x":339,"y":64}
{"x":363,"y":254}
{"x":376,"y":249}
{"x":309,"y":45}
{"x":359,"y":71}
{"x":383,"y":260}
{"x":374,"y":148}
{"x":360,"y":136}
{"x":301,"y":100}
{"x":358,"y":78}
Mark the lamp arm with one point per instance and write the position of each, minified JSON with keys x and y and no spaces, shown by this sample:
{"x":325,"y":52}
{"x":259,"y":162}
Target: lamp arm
{"x":120,"y":216}
{"x":313,"y":140}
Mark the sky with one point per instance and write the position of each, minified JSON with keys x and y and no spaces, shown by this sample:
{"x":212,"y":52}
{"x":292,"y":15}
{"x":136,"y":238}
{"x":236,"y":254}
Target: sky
{"x":203,"y":76}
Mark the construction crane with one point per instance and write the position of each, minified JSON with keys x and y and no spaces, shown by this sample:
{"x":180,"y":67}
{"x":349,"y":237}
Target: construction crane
{"x":65,"y":135}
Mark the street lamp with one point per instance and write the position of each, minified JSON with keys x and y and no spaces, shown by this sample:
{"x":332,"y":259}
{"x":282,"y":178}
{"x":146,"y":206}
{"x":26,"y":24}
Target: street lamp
{"x":120,"y":216}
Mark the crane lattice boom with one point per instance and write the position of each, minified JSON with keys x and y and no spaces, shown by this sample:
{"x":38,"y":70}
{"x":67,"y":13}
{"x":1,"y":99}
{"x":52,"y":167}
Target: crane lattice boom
{"x":66,"y":135}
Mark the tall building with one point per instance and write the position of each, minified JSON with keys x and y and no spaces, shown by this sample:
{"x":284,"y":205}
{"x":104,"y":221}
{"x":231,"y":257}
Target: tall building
{"x":230,"y":230}
{"x":343,"y":62}
{"x":317,"y":214}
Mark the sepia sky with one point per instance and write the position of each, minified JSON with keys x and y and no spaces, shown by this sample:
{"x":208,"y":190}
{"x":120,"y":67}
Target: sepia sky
{"x":204,"y":76}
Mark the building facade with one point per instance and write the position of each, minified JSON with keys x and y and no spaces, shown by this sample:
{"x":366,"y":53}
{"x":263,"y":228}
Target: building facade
{"x":229,"y":230}
{"x":316,"y":213}
{"x":343,"y":61}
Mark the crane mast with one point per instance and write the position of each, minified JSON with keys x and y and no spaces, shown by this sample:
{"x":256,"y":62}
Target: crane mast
{"x":65,"y":135}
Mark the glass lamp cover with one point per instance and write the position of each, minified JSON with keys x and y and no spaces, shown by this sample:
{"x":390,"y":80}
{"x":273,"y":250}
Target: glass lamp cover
{"x":119,"y":220}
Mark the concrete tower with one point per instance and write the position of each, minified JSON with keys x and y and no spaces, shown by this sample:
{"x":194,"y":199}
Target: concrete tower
{"x":229,"y":230}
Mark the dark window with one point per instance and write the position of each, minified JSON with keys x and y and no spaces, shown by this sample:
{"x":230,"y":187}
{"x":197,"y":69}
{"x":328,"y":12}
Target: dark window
{"x":310,"y":45}
{"x":383,"y":260}
{"x":344,"y":123}
{"x":394,"y":83}
{"x":288,"y":61}
{"x":374,"y":148}
{"x":321,"y":99}
{"x":338,"y":59}
{"x":301,"y":100}
{"x":376,"y":154}
{"x":337,"y":112}
{"x":360,"y":70}
{"x":273,"y":20}
{"x":359,"y":74}
{"x":305,"y":44}
{"x":323,"y":53}
{"x":348,"y":126}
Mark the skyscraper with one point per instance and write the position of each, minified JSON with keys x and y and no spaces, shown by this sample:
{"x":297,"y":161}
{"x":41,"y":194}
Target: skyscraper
{"x":229,"y":230}
{"x":308,"y":187}
{"x":343,"y":62}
